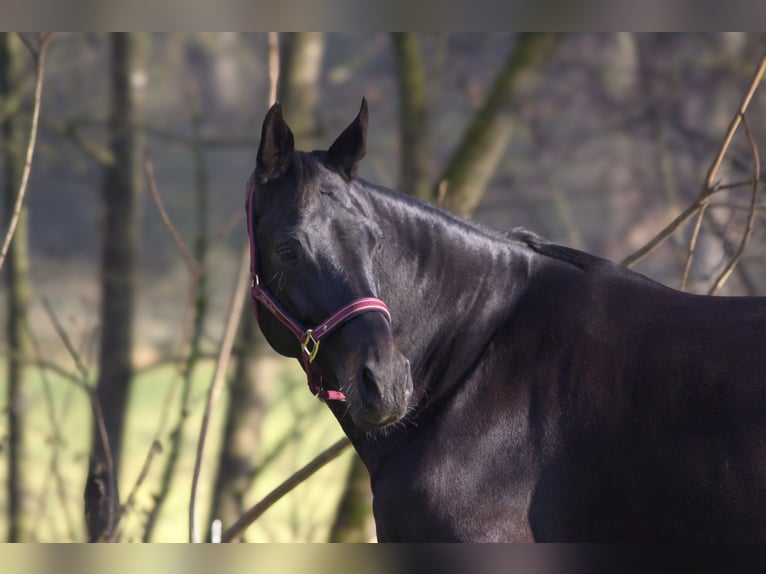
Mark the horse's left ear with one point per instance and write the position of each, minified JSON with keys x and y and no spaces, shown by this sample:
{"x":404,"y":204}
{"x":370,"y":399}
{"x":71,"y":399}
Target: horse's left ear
{"x":347,"y":151}
{"x":276,"y":148}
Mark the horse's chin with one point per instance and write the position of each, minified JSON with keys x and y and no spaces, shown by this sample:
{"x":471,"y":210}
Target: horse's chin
{"x":370,"y":422}
{"x":380,"y":398}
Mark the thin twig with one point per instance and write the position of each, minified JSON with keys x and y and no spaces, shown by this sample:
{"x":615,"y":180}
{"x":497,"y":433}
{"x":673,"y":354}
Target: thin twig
{"x":273,"y":38}
{"x":103,"y":155}
{"x":175,"y":437}
{"x":39,"y":75}
{"x":305,"y":419}
{"x":58,"y":369}
{"x":724,"y":276}
{"x":658,"y":239}
{"x":175,"y":359}
{"x":194,"y":316}
{"x":57,"y":440}
{"x":441,"y":195}
{"x":188,"y":259}
{"x":72,"y":125}
{"x":692,"y":246}
{"x":236,"y":529}
{"x":130,"y":502}
{"x":227,"y":227}
{"x":708,"y":187}
{"x":735,"y":121}
{"x":232,"y":323}
{"x":224,"y":354}
{"x":734,"y":185}
{"x":61,"y":332}
{"x":736,"y":206}
{"x":94,"y":402}
{"x":31,"y":48}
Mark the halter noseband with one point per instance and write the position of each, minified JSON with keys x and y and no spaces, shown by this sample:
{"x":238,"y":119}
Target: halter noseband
{"x":308,"y":339}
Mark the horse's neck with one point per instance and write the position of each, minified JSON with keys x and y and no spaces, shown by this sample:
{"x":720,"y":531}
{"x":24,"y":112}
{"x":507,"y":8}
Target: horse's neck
{"x":449,"y":287}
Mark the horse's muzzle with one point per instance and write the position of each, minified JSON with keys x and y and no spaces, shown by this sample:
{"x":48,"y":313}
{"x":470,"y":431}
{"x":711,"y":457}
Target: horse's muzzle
{"x":383,"y":392}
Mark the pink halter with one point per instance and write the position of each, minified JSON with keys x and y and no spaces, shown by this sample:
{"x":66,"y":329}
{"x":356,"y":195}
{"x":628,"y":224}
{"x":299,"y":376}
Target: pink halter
{"x":308,"y":339}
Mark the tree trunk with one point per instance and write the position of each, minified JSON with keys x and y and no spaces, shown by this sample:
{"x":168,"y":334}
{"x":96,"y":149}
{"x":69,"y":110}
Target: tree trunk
{"x":17,"y":285}
{"x":299,"y":82}
{"x":299,"y":94}
{"x":354,"y":521}
{"x":122,"y":190}
{"x":198,"y":311}
{"x":476,"y":158}
{"x":412,"y":111}
{"x":242,"y":431}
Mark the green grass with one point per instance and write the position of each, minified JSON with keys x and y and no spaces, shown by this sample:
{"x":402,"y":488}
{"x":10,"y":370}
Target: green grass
{"x":295,"y":420}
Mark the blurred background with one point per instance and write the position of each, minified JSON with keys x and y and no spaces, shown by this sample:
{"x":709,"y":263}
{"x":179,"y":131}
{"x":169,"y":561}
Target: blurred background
{"x":596,"y":141}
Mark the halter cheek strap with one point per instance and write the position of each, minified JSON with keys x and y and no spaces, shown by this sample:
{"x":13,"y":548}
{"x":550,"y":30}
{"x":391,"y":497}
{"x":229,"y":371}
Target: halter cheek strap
{"x":309,"y":339}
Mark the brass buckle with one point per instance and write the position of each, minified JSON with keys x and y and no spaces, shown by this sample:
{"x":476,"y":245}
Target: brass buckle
{"x":310,"y":346}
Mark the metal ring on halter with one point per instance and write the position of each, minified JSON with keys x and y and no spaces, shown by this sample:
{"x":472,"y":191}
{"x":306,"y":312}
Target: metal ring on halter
{"x":310,"y":341}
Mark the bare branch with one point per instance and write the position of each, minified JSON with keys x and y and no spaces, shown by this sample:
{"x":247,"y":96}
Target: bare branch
{"x":273,"y":66}
{"x":735,"y":121}
{"x":54,"y":470}
{"x":31,"y":48}
{"x":692,"y":246}
{"x":130,"y":502}
{"x":441,"y":194}
{"x":194,"y":317}
{"x":658,"y":239}
{"x":188,"y":259}
{"x":735,"y":184}
{"x":61,"y":332}
{"x":69,"y":130}
{"x":708,"y":187}
{"x":726,"y":273}
{"x":232,"y":323}
{"x":331,"y":453}
{"x":39,"y":75}
{"x":227,"y":227}
{"x":94,"y":402}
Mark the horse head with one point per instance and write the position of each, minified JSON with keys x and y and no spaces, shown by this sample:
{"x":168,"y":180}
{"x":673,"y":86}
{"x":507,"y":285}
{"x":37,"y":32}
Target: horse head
{"x":314,"y":239}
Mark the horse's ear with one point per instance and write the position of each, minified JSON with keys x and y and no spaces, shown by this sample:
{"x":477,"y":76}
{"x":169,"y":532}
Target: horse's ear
{"x":276,"y":148}
{"x":347,"y":151}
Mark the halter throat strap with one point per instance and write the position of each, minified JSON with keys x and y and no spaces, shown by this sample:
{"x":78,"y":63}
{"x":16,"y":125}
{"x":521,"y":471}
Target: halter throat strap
{"x":309,"y":339}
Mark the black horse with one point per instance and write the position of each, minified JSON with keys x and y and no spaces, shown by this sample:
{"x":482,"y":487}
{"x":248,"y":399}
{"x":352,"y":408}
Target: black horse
{"x":499,"y":387}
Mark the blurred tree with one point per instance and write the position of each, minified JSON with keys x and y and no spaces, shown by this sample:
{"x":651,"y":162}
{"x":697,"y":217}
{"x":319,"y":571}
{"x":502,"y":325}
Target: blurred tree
{"x":298,"y":91}
{"x":300,"y":81}
{"x":413,"y":132}
{"x":467,"y":174}
{"x":199,"y":304}
{"x":354,"y":521}
{"x":713,"y":246}
{"x":123,"y":185}
{"x":16,"y":279}
{"x":244,"y":418}
{"x":475,"y":160}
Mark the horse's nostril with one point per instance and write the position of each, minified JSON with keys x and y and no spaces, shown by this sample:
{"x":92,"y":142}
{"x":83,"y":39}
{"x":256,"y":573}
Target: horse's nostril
{"x":369,"y":389}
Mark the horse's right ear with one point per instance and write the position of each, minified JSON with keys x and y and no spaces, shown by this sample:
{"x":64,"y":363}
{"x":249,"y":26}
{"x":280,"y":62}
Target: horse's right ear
{"x":276,"y":148}
{"x":351,"y":146}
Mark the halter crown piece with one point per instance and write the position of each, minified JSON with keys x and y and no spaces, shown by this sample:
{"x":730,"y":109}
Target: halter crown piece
{"x":308,"y":339}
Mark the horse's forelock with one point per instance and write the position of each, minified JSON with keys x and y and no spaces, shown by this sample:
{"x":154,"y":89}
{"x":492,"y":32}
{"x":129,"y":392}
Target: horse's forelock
{"x":306,"y":174}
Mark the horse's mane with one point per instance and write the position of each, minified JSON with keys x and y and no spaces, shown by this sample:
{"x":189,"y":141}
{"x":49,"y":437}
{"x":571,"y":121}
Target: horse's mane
{"x":519,"y":236}
{"x":580,"y":259}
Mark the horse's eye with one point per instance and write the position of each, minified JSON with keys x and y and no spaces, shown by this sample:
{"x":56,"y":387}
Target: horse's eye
{"x":285,"y":252}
